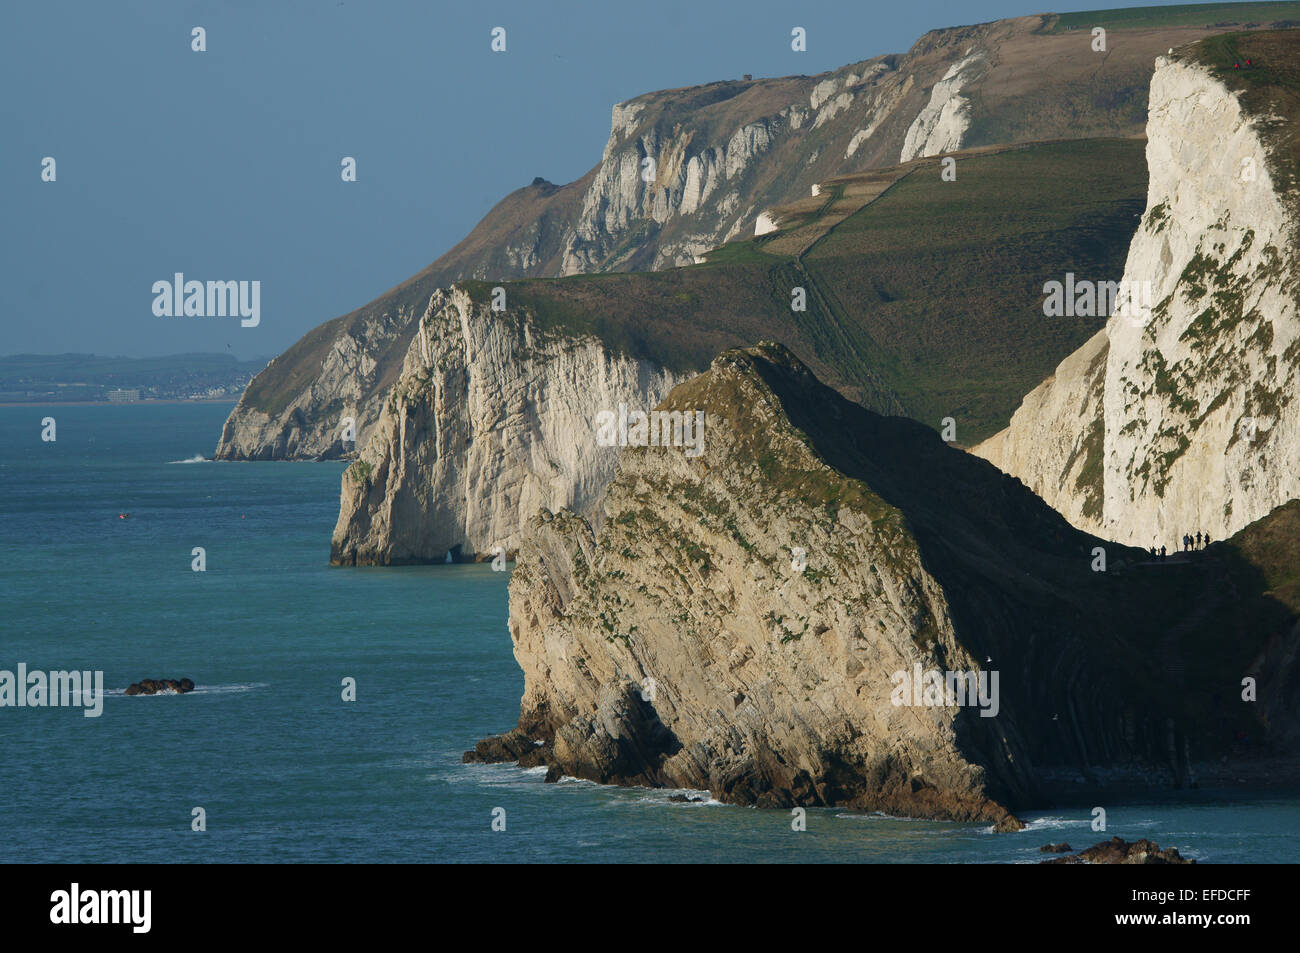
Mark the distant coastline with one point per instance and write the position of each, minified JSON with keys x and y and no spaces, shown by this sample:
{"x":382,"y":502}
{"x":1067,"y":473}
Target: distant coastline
{"x":119,"y":403}
{"x":87,"y":379}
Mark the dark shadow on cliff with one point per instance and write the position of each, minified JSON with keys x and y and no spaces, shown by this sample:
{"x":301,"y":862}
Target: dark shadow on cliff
{"x":1140,"y":662}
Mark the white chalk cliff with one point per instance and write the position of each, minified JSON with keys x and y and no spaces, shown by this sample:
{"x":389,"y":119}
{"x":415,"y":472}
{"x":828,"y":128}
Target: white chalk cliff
{"x":939,"y":127}
{"x":491,"y":420}
{"x":1184,"y":419}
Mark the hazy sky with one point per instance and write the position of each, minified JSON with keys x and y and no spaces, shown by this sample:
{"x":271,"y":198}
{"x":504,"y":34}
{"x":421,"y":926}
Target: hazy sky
{"x":225,"y":164}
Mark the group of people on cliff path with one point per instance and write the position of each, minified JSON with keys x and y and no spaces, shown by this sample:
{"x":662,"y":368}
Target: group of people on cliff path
{"x":1190,"y":543}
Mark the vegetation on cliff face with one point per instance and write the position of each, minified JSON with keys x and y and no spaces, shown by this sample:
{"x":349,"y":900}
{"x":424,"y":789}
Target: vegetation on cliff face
{"x":361,"y":472}
{"x":1195,"y":416}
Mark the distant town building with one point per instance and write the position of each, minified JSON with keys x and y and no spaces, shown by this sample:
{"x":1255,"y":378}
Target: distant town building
{"x":123,"y":396}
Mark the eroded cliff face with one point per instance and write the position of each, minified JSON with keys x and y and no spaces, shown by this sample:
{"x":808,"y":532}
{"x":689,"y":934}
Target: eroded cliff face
{"x":491,"y":419}
{"x":682,"y":176}
{"x":321,"y":399}
{"x":737,"y":620}
{"x":941,"y":125}
{"x":1181,"y":419}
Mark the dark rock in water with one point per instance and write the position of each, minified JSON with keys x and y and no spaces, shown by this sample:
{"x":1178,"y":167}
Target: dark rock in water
{"x":155,"y":686}
{"x":1061,"y":848}
{"x":1119,"y":851}
{"x":685,"y":799}
{"x":512,"y":746}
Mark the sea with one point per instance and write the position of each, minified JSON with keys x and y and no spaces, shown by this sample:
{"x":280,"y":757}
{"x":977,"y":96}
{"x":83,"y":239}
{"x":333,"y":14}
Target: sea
{"x":267,"y":761}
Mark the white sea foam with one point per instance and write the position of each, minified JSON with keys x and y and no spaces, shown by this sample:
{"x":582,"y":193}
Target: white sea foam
{"x":504,"y":774}
{"x":197,"y":690}
{"x":197,"y":458}
{"x":666,"y":795}
{"x":507,"y":774}
{"x":228,"y":689}
{"x":1055,"y":823}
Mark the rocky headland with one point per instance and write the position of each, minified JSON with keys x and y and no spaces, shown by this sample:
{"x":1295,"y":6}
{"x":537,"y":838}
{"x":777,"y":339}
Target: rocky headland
{"x":829,"y":604}
{"x":741,"y":620}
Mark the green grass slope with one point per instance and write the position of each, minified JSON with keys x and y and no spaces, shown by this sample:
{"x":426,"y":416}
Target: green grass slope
{"x":1183,"y":14}
{"x":924,"y":297}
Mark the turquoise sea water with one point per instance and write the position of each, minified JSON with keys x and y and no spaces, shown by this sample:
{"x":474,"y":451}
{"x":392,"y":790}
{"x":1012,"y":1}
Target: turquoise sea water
{"x":288,"y":771}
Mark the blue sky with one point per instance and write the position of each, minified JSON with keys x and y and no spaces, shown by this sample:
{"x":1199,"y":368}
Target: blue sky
{"x":225,"y":164}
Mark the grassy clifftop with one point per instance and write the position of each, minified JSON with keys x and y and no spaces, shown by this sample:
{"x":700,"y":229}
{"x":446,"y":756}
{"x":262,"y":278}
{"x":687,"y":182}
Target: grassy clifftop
{"x":1268,"y":88}
{"x":764,"y":143}
{"x":1183,"y":14}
